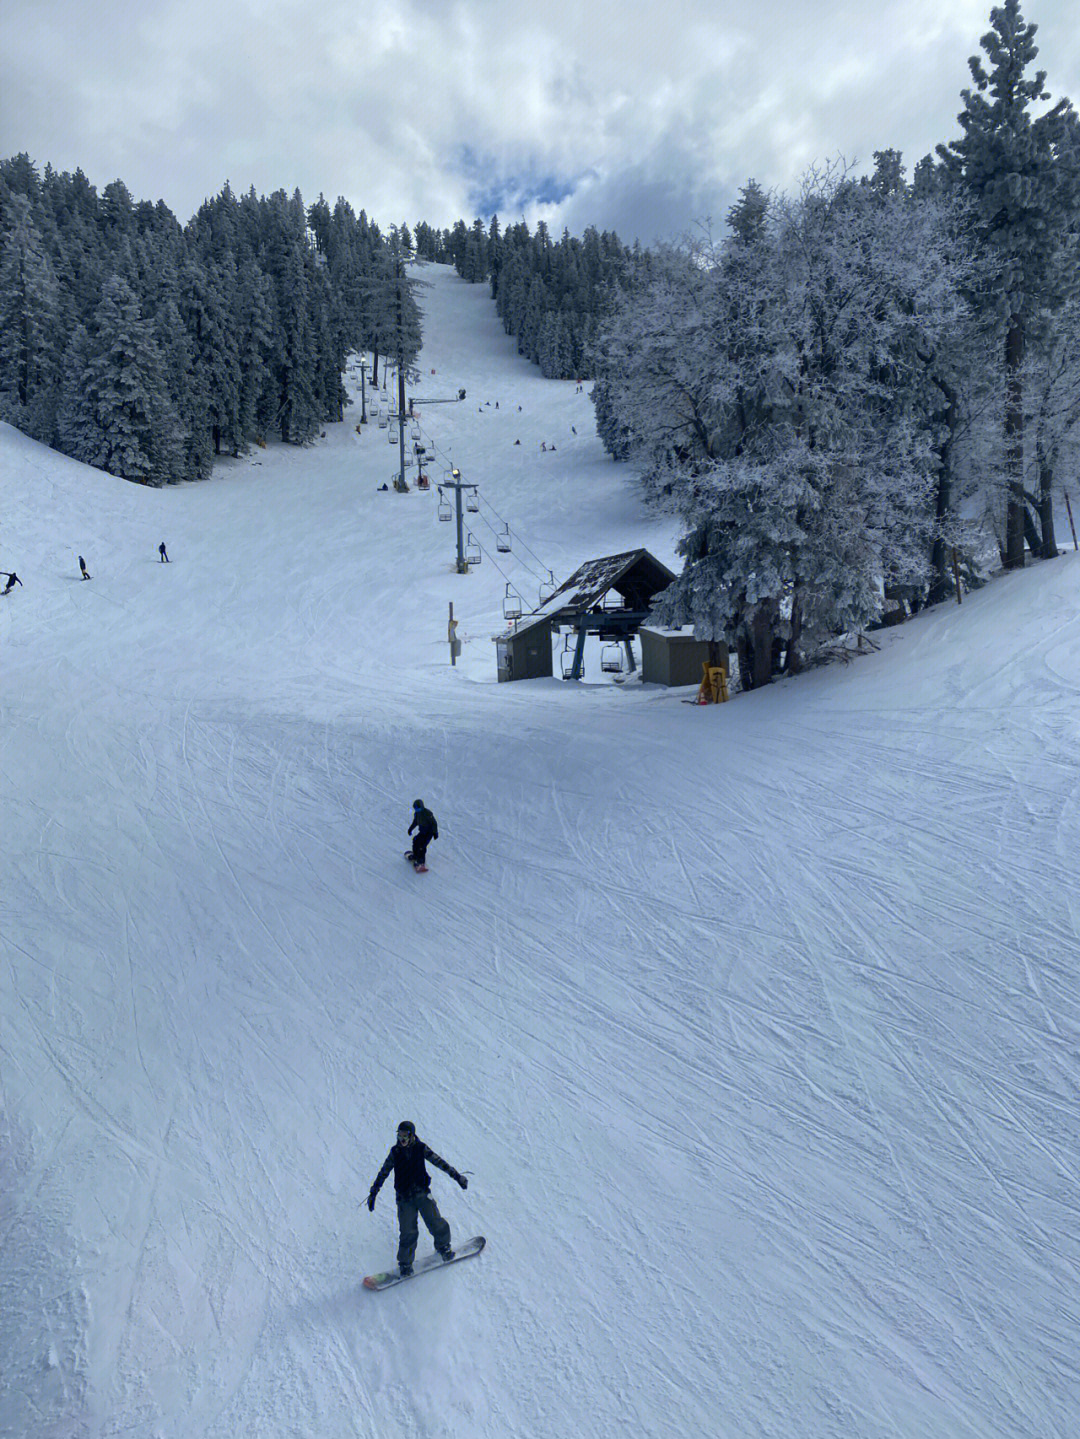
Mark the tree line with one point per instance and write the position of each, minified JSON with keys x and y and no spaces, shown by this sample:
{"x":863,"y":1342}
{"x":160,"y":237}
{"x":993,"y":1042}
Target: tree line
{"x":148,"y":348}
{"x":550,"y":295}
{"x":832,"y":395}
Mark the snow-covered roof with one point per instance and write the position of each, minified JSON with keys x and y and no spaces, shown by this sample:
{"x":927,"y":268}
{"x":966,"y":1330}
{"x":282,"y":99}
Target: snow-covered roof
{"x":635,"y":575}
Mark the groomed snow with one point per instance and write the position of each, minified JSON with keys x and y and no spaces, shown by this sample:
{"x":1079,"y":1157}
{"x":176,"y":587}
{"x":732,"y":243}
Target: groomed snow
{"x":755,"y":1027}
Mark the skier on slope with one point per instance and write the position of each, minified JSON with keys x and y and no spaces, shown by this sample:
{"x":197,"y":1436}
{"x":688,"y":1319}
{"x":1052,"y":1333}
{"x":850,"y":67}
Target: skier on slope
{"x":412,"y":1184}
{"x":426,"y":830}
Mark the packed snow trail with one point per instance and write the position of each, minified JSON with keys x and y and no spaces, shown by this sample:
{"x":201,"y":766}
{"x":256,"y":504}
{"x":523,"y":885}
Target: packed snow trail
{"x":755,"y":1027}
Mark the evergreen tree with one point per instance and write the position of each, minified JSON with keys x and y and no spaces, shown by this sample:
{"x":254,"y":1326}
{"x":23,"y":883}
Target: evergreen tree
{"x":774,"y":395}
{"x":30,"y":368}
{"x":1022,"y":175}
{"x":121,"y":419}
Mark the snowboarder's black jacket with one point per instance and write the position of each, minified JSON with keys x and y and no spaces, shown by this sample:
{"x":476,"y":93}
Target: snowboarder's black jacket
{"x":424,"y":824}
{"x":410,"y":1173}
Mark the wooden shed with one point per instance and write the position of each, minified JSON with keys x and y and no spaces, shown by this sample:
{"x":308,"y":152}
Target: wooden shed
{"x":524,"y":652}
{"x":675,"y":657}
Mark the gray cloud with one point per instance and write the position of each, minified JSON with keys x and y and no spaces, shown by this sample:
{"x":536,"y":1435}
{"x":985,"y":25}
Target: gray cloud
{"x":636,"y":118}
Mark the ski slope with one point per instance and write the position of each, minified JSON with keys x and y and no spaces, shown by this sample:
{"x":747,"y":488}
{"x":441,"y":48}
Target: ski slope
{"x":755,"y":1027}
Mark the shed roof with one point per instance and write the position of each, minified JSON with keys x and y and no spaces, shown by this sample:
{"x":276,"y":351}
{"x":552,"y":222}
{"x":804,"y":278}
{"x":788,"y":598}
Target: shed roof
{"x":635,"y":575}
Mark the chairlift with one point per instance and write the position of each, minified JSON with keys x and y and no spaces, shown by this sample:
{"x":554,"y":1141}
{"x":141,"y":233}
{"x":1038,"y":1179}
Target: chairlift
{"x":472,"y":500}
{"x":511,"y":604}
{"x":416,"y":432}
{"x":382,"y":422}
{"x":446,"y":509}
{"x":391,"y":437}
{"x":422,"y":481}
{"x":473,"y":553}
{"x":566,"y":659}
{"x":547,"y":589}
{"x":502,"y":541}
{"x":611,"y":660}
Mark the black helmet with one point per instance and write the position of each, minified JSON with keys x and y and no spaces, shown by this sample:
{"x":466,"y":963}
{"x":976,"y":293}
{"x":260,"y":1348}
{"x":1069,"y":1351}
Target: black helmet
{"x":406,"y":1127}
{"x":418,"y":804}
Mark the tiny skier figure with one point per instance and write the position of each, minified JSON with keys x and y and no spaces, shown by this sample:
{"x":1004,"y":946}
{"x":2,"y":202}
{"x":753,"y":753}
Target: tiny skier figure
{"x":12,"y":580}
{"x":427,"y":829}
{"x":412,"y":1184}
{"x":163,"y":553}
{"x":84,"y":572}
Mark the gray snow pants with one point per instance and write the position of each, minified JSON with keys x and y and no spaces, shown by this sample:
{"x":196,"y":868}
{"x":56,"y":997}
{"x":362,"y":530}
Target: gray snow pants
{"x":419,"y":1201}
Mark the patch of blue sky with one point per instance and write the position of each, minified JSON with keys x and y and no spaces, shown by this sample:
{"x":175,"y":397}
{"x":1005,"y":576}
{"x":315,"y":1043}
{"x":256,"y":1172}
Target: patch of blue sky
{"x":495,"y":193}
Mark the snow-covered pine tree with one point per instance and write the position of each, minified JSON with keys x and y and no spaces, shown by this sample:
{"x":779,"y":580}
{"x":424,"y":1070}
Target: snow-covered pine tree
{"x":121,"y":419}
{"x":30,"y":327}
{"x":1021,"y":172}
{"x":1052,"y":420}
{"x":772,"y":391}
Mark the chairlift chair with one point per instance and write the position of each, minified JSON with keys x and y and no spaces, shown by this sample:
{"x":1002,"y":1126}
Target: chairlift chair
{"x":473,"y":553}
{"x":502,"y":541}
{"x":472,"y":501}
{"x":511,"y":604}
{"x":566,"y":659}
{"x":391,"y":437}
{"x":611,"y":660}
{"x":547,"y":589}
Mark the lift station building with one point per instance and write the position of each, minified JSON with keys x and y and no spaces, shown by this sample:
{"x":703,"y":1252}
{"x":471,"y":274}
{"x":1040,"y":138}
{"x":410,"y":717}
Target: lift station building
{"x":609,"y":597}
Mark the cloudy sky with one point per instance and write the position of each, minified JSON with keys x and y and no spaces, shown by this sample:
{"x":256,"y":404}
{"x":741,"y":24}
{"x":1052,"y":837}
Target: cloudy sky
{"x":640,"y":118}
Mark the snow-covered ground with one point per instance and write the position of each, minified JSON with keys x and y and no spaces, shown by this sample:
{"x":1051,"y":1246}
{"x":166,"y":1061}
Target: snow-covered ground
{"x":755,"y":1026}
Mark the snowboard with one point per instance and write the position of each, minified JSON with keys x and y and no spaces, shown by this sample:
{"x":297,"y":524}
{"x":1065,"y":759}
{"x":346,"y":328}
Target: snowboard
{"x":420,"y":868}
{"x":426,"y":1265}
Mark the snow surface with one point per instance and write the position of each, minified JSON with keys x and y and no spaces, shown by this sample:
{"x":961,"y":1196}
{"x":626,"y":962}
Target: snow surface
{"x":756,"y":1026}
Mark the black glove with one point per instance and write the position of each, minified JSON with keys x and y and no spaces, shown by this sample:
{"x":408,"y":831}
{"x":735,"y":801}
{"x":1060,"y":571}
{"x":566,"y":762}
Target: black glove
{"x":371,"y":1201}
{"x":463,"y":1181}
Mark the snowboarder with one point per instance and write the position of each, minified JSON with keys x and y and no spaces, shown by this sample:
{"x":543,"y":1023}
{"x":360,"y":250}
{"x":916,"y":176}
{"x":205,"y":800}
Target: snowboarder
{"x":163,"y":553}
{"x":83,"y":570}
{"x":427,"y":829}
{"x":12,"y":580}
{"x":412,"y":1184}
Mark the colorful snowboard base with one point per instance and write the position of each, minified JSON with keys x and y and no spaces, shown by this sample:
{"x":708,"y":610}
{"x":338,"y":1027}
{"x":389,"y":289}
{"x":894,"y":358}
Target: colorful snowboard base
{"x":426,"y":1265}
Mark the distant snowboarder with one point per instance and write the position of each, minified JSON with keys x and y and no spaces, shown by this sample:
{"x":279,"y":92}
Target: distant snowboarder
{"x":12,"y":580}
{"x":163,"y":553}
{"x":412,"y":1184}
{"x":86,"y":575}
{"x":427,"y":829}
